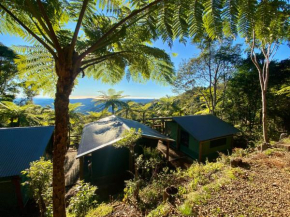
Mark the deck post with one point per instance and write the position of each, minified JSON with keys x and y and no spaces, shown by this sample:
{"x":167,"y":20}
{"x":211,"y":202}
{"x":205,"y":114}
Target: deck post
{"x":167,"y":151}
{"x":178,"y":138}
{"x":200,"y":152}
{"x":81,"y":159}
{"x":16,"y":182}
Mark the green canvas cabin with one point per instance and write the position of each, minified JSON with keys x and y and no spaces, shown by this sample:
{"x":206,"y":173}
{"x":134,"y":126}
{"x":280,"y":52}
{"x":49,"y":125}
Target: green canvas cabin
{"x":100,"y":161}
{"x":18,"y":148}
{"x":200,"y":137}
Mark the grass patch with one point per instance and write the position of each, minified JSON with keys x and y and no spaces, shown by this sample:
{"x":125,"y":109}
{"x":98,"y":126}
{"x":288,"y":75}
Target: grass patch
{"x":101,"y":211}
{"x":286,"y":140}
{"x":162,"y":210}
{"x":208,"y":178}
{"x":185,"y":209}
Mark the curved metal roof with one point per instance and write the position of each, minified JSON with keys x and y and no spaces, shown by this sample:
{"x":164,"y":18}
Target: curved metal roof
{"x":109,"y":130}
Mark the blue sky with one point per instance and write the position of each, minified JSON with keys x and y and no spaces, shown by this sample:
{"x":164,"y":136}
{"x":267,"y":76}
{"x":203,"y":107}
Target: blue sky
{"x":89,"y":87}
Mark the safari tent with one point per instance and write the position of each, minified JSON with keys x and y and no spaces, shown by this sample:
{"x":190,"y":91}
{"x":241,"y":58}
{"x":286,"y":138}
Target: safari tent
{"x":18,"y":148}
{"x":200,"y":137}
{"x":100,"y":161}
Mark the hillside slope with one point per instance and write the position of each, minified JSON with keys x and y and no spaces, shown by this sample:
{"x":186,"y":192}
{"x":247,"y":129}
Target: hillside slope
{"x":248,"y":183}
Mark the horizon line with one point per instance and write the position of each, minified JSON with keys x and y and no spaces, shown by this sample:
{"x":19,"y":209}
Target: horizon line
{"x":94,"y":97}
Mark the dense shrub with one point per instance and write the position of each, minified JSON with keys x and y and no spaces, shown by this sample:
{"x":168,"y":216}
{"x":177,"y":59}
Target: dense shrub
{"x":83,"y":200}
{"x":39,"y":180}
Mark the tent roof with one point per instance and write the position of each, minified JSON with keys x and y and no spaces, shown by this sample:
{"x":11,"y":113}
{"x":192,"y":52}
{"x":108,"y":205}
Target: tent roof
{"x":20,"y":146}
{"x":205,"y":127}
{"x":109,"y":130}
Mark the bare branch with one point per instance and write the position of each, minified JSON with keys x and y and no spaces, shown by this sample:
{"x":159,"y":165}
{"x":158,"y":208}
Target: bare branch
{"x":30,"y":31}
{"x":255,"y":61}
{"x":274,"y":50}
{"x":95,"y":46}
{"x":78,"y":26}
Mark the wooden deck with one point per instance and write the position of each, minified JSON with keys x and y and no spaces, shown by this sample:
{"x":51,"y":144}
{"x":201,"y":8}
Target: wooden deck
{"x":176,"y":158}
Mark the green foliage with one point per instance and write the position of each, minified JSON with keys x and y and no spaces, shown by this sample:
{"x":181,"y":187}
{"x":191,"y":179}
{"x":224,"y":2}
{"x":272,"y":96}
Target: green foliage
{"x":149,"y":162}
{"x":83,"y":200}
{"x":240,"y":152}
{"x":8,"y":74}
{"x":131,"y":191}
{"x":206,"y":76}
{"x":162,"y":210}
{"x":110,"y":99}
{"x":39,"y":176}
{"x":144,"y":110}
{"x":129,"y":139}
{"x":25,"y":115}
{"x":101,"y":211}
{"x":33,"y":61}
{"x":286,"y":140}
{"x":150,"y":196}
{"x":185,"y":209}
{"x":128,"y":111}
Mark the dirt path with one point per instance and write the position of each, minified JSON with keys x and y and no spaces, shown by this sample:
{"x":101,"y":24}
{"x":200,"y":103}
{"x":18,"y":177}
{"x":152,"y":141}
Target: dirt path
{"x":264,"y":192}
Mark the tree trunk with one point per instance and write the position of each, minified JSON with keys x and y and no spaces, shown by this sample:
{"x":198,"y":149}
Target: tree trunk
{"x":63,"y":91}
{"x":11,"y":121}
{"x":264,"y":117}
{"x":113,"y":109}
{"x":42,"y":205}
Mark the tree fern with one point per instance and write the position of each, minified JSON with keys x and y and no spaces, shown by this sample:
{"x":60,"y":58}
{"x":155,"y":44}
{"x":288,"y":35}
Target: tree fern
{"x":230,"y":17}
{"x":212,"y":18}
{"x":246,"y":17}
{"x":180,"y":17}
{"x":195,"y":21}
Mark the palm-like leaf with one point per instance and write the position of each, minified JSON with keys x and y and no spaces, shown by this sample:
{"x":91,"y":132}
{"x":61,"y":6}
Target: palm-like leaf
{"x":110,"y":99}
{"x":27,"y":115}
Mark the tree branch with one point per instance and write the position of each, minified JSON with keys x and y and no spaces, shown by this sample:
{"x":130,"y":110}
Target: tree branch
{"x":38,"y":17}
{"x":96,"y":62}
{"x":120,"y":23}
{"x":255,"y":61}
{"x":78,"y":26}
{"x":48,"y":23}
{"x":43,"y":35}
{"x":104,"y":57}
{"x":30,"y":31}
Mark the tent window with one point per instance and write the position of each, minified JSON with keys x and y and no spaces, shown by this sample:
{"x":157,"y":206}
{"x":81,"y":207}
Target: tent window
{"x":184,"y":138}
{"x":218,"y":142}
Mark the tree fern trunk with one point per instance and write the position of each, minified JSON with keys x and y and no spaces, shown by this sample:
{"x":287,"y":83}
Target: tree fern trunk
{"x":64,"y":88}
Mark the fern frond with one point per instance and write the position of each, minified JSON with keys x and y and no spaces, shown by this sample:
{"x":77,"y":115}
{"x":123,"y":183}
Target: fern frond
{"x":246,"y":17}
{"x":212,"y":18}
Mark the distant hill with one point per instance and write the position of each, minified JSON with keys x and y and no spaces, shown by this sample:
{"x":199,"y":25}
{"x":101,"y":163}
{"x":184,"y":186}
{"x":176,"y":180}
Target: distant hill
{"x":88,"y":105}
